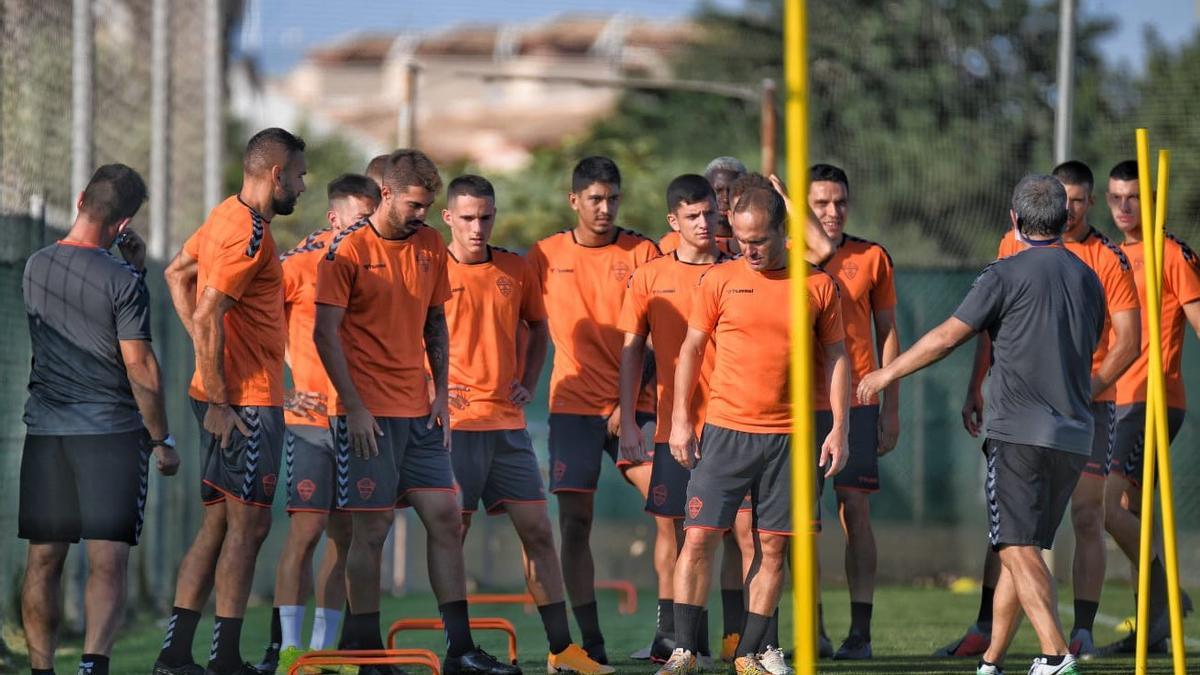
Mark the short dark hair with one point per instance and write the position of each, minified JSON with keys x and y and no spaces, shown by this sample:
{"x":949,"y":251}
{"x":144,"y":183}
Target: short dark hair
{"x":747,"y":182}
{"x":594,"y":169}
{"x":688,"y":189}
{"x":1126,"y":170}
{"x":828,"y":173}
{"x":470,"y":185}
{"x":1075,"y":172}
{"x":270,"y":147}
{"x":1040,"y":203}
{"x":411,"y":168}
{"x":765,"y":201}
{"x":114,"y":193}
{"x":376,"y":167}
{"x":352,"y":185}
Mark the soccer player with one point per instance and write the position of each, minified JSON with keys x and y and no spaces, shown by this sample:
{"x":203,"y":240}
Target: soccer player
{"x":227,"y":286}
{"x":94,"y":414}
{"x":380,"y":293}
{"x":492,"y":292}
{"x":583,"y":272}
{"x":746,"y":436}
{"x":721,"y":173}
{"x":1044,"y":311}
{"x":1180,"y":307}
{"x":308,"y":445}
{"x":655,"y":309}
{"x":864,"y":273}
{"x":1116,"y":351}
{"x":376,"y":167}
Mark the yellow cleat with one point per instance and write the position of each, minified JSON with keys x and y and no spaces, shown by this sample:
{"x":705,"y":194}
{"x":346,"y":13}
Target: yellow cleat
{"x":748,"y":665}
{"x":729,"y":645}
{"x":682,"y":662}
{"x":574,"y":660}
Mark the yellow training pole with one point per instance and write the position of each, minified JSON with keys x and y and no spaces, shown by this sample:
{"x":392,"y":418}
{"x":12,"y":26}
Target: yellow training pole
{"x":1154,"y":397}
{"x":804,"y":549}
{"x":1163,"y":444}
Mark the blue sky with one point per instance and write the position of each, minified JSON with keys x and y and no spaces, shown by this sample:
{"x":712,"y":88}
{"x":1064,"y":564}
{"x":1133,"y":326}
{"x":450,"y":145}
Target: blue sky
{"x":290,"y":27}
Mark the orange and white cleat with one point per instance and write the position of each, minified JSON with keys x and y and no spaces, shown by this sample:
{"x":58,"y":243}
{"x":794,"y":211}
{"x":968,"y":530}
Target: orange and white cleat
{"x":574,"y":660}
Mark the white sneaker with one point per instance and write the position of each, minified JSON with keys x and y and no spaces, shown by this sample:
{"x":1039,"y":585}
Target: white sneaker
{"x":774,"y":660}
{"x":1067,"y":667}
{"x":988,"y":669}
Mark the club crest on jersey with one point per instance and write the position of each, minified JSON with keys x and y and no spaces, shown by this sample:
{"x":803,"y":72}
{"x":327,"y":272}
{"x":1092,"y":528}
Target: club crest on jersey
{"x":505,"y":284}
{"x":305,"y":489}
{"x":659,"y":495}
{"x":620,"y":270}
{"x":269,"y":482}
{"x":695,"y":504}
{"x":851,"y":269}
{"x":458,"y":396}
{"x":424,"y":259}
{"x":560,"y":470}
{"x":366,"y":487}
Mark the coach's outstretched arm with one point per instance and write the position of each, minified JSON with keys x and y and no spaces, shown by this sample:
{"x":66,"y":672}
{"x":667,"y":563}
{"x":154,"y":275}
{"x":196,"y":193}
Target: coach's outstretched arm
{"x":360,"y":423}
{"x":208,"y":333}
{"x":684,"y":446}
{"x":931,"y":348}
{"x":835,"y":448}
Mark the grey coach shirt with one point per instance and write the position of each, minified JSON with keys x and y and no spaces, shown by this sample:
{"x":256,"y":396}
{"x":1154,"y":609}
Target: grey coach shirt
{"x":1044,"y":310}
{"x":81,"y":301}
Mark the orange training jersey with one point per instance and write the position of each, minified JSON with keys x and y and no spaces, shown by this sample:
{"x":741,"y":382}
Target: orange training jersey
{"x":583,"y":288}
{"x":670,"y":241}
{"x":300,"y":305}
{"x":746,"y":313}
{"x":1181,"y":286}
{"x":235,"y":254}
{"x":1116,"y":276}
{"x":487,"y":303}
{"x":658,"y":304}
{"x":863,"y":270}
{"x":387,"y":287}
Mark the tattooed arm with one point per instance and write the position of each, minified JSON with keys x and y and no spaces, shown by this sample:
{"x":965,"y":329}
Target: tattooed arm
{"x":437,"y":349}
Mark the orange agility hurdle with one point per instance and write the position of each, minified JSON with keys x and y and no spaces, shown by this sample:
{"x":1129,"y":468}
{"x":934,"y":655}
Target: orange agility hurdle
{"x":368,"y":657}
{"x":628,"y":602}
{"x":482,"y":623}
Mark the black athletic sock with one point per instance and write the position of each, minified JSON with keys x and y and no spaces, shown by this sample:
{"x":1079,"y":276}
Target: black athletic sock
{"x":93,"y":664}
{"x":276,"y":629}
{"x":458,"y":627}
{"x":860,"y":619}
{"x":558,"y":629}
{"x":1158,"y":589}
{"x":181,"y":630}
{"x":226,"y":654}
{"x":984,"y":619}
{"x":753,"y":635}
{"x":588,"y":618}
{"x":665,"y":620}
{"x":771,"y":637}
{"x":345,"y":640}
{"x":40,"y":671}
{"x":702,"y":641}
{"x":1055,"y":660}
{"x":1085,"y":614}
{"x":733,"y":609}
{"x":687,"y":626}
{"x":820,"y":620}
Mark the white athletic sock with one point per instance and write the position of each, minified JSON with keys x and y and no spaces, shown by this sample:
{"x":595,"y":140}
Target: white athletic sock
{"x":325,"y":628}
{"x":291,"y":621}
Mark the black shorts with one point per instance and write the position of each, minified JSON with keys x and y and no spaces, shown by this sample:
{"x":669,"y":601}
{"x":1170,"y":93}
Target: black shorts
{"x":83,"y":487}
{"x":577,"y":442}
{"x":1028,"y":489}
{"x":668,"y":484}
{"x":248,"y":470}
{"x":732,"y":463}
{"x":498,"y":467}
{"x":1130,"y":444}
{"x":861,"y":473}
{"x":1104,"y":431}
{"x":311,"y":468}
{"x":411,"y":459}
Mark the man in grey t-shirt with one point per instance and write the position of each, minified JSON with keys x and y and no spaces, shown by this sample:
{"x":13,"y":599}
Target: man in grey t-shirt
{"x":1044,"y":311}
{"x":94,"y":415}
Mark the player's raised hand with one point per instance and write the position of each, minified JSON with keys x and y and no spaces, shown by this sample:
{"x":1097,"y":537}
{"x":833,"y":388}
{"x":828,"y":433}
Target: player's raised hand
{"x":132,"y":248}
{"x":363,"y":430}
{"x":220,"y":420}
{"x":972,"y":412}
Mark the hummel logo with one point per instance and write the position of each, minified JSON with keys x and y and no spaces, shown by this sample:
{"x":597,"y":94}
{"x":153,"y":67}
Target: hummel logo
{"x":662,"y":291}
{"x":374,"y":266}
{"x":740,"y":290}
{"x":563,"y":270}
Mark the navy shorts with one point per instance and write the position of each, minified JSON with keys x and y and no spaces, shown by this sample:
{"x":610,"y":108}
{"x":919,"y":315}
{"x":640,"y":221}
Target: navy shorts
{"x":496,"y":467}
{"x":411,"y":458}
{"x":577,"y":442}
{"x":1028,"y":489}
{"x":248,"y":470}
{"x":1130,"y":443}
{"x":733,"y":463}
{"x":668,"y":484}
{"x":311,"y":468}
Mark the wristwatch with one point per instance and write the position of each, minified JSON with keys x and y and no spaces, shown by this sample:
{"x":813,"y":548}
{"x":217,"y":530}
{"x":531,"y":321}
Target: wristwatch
{"x":168,"y":442}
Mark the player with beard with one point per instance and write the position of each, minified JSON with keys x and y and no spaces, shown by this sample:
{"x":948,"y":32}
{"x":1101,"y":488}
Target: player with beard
{"x":227,"y":286}
{"x":380,"y":293}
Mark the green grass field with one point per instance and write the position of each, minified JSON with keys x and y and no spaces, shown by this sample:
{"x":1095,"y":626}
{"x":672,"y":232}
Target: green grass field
{"x":909,"y":624}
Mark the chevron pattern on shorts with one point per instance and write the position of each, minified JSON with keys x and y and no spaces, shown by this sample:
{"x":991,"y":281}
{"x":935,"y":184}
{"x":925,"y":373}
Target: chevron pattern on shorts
{"x":1135,"y":455}
{"x":143,"y":488}
{"x":289,"y":456}
{"x":253,"y":443}
{"x":993,"y":506}
{"x":342,"y":437}
{"x":1112,"y":434}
